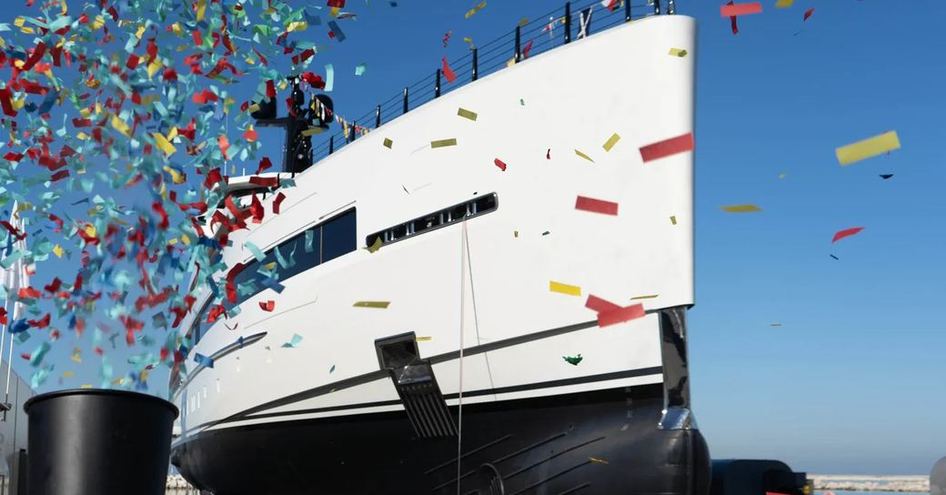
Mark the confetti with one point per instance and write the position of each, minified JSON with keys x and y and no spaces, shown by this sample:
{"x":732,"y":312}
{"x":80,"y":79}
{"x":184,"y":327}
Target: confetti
{"x":376,"y":245}
{"x":833,"y":256}
{"x":775,"y":324}
{"x":886,"y":176}
{"x":294,"y":342}
{"x":621,"y":315}
{"x":597,"y":461}
{"x":442,"y":143}
{"x":741,"y":209}
{"x":667,"y":147}
{"x":868,"y":148}
{"x":599,"y":305}
{"x":596,"y":205}
{"x":466,"y":114}
{"x":447,"y":71}
{"x":678,"y":52}
{"x":500,"y":164}
{"x":329,"y":77}
{"x":423,"y":339}
{"x":388,"y":143}
{"x":841,"y":234}
{"x":673,"y":219}
{"x":577,"y":152}
{"x":611,"y":142}
{"x":808,"y":14}
{"x":478,"y":7}
{"x":570,"y":290}
{"x":372,"y":304}
{"x":205,"y":361}
{"x":268,"y":306}
{"x":648,"y":296}
{"x":360,"y":69}
{"x":738,"y":9}
{"x":784,"y":4}
{"x":573,"y":360}
{"x":734,"y":24}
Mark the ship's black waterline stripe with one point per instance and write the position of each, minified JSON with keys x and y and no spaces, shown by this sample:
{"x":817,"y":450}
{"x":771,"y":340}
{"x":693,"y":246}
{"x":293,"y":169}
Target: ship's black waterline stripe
{"x":253,"y":412}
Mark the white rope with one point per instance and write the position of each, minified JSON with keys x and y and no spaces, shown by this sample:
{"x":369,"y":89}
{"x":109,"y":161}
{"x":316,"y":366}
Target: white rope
{"x":463,"y":255}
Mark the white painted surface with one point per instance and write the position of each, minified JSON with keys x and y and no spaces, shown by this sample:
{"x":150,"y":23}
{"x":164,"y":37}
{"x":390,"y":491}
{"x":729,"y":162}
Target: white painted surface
{"x":621,"y":80}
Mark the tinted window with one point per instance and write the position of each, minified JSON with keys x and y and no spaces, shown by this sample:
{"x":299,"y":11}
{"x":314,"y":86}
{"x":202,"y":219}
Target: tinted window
{"x":338,"y":236}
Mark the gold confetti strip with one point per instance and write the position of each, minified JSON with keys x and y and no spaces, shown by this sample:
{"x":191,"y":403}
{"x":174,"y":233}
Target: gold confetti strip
{"x":741,"y":209}
{"x":376,"y":245}
{"x":868,"y":148}
{"x":388,"y":143}
{"x":68,"y":374}
{"x":610,"y":142}
{"x":648,"y":296}
{"x":597,"y":461}
{"x":424,"y":339}
{"x":86,"y":385}
{"x":515,"y":233}
{"x":570,"y":290}
{"x":443,"y":143}
{"x":586,"y":157}
{"x":372,"y":304}
{"x":678,"y":52}
{"x":673,"y":219}
{"x":784,"y":4}
{"x":311,"y":131}
{"x":466,"y":114}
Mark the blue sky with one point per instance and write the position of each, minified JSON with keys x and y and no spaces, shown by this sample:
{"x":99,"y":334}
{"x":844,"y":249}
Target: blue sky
{"x":853,"y":379}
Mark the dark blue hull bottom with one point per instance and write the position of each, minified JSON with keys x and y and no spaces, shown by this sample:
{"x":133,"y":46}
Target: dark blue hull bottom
{"x":602,"y":442}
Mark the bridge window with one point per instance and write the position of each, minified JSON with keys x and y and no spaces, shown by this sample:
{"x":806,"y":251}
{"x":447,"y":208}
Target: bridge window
{"x":469,"y":209}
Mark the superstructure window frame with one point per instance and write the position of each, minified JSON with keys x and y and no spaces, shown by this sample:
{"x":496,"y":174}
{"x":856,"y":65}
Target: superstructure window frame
{"x":480,"y":205}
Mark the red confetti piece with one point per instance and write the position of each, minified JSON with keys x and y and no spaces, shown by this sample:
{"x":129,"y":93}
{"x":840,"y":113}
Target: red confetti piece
{"x":841,"y":234}
{"x":337,"y":4}
{"x":40,"y":323}
{"x":224,"y":145}
{"x":204,"y":96}
{"x":278,"y":201}
{"x":62,"y":174}
{"x":53,"y":286}
{"x":596,"y":205}
{"x":548,"y":154}
{"x":267,"y":305}
{"x":667,"y":147}
{"x":808,"y":14}
{"x":499,"y":163}
{"x":599,"y":305}
{"x":736,"y":9}
{"x":213,"y":177}
{"x":3,"y":316}
{"x":28,"y":293}
{"x":37,"y":54}
{"x":13,"y":230}
{"x":732,"y":21}
{"x":270,"y":89}
{"x":231,"y":282}
{"x":250,"y":135}
{"x":621,"y":315}
{"x":447,"y":71}
{"x":256,"y":209}
{"x":6,"y":101}
{"x":313,"y":79}
{"x":264,"y":181}
{"x":264,"y":165}
{"x":159,"y":209}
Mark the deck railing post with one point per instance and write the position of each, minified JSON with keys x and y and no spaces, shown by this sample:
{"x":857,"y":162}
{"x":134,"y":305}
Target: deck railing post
{"x":405,"y":100}
{"x":476,"y":64}
{"x":671,"y":7}
{"x":656,"y":7}
{"x":331,"y":145}
{"x":568,"y":22}
{"x":627,"y":10}
{"x":437,"y":85}
{"x":377,"y":116}
{"x":518,"y":35}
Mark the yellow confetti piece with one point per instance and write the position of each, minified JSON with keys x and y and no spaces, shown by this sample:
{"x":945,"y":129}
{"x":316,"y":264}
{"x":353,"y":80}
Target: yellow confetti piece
{"x":868,"y":148}
{"x":570,"y":290}
{"x":388,"y":143}
{"x":186,"y":239}
{"x":611,"y":142}
{"x":511,"y":62}
{"x":76,"y":355}
{"x":172,"y":134}
{"x":86,"y":385}
{"x":648,"y":296}
{"x":311,"y":131}
{"x":68,"y":374}
{"x":678,"y":52}
{"x":177,"y":29}
{"x":466,"y":114}
{"x":741,"y":209}
{"x":253,"y":108}
{"x":515,"y":233}
{"x":201,"y":9}
{"x":57,"y":250}
{"x":523,"y":22}
{"x":423,"y":339}
{"x":784,"y":4}
{"x":586,"y":157}
{"x":374,"y":247}
{"x":673,"y":219}
{"x":140,"y":32}
{"x":469,"y":13}
{"x":372,"y":304}
{"x":154,"y":67}
{"x":270,"y":266}
{"x":90,"y":230}
{"x":442,"y":143}
{"x":297,"y":26}
{"x":597,"y":461}
{"x":173,"y":241}
{"x":98,"y":22}
{"x":164,"y":144}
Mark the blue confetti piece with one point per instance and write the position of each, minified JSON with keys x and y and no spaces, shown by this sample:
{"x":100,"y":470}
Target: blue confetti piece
{"x":257,"y":252}
{"x":337,"y":30}
{"x":294,"y":342}
{"x":205,"y":361}
{"x":19,"y":326}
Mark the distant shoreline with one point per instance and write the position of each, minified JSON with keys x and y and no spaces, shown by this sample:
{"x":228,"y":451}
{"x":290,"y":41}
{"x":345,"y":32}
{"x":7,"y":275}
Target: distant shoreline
{"x":871,"y":483}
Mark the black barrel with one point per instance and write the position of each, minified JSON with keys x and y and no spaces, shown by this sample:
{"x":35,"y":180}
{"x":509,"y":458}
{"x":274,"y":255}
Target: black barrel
{"x":101,"y":442}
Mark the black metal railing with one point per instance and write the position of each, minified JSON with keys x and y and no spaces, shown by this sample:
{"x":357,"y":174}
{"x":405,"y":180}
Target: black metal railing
{"x":553,"y":29}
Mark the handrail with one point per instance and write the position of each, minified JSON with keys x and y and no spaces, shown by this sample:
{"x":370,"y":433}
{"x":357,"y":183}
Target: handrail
{"x":527,"y":40}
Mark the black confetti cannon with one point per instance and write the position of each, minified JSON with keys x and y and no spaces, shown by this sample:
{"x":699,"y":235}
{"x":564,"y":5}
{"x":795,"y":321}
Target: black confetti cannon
{"x":98,"y":442}
{"x":303,"y":121}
